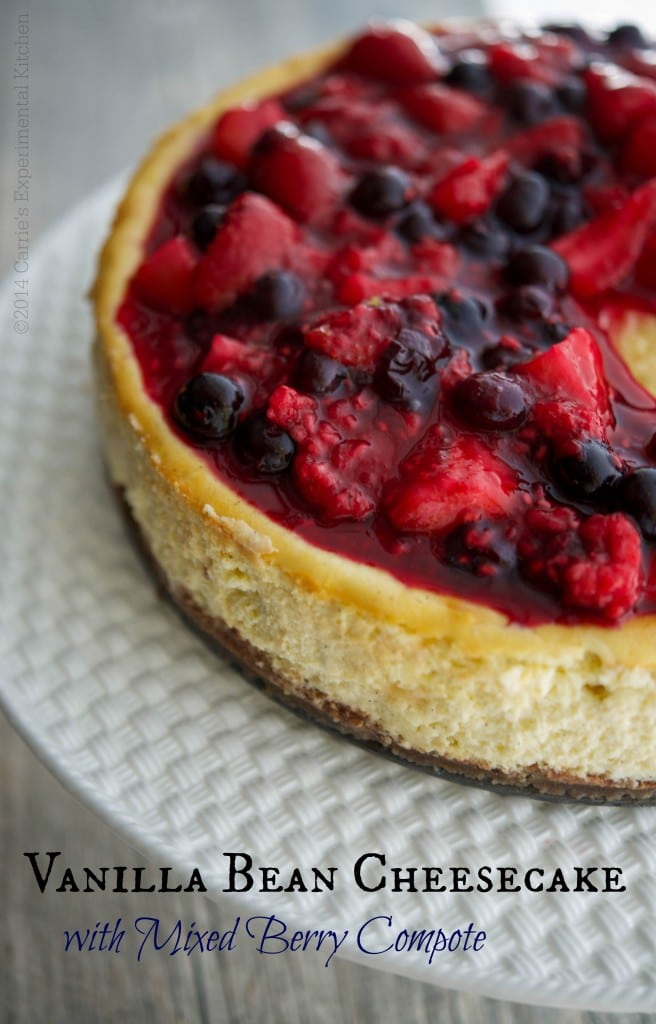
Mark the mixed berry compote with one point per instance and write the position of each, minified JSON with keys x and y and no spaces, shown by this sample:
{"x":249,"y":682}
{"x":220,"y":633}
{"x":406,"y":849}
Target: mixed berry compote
{"x":375,"y":304}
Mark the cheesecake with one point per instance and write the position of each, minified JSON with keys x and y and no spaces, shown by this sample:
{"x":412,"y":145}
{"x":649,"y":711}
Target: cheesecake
{"x":376,"y":378}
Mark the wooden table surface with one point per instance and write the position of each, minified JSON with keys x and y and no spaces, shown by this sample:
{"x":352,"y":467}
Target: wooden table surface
{"x":104,"y":78}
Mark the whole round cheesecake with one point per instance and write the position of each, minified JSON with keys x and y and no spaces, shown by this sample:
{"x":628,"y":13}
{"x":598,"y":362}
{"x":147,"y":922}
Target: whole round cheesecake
{"x":376,"y":367}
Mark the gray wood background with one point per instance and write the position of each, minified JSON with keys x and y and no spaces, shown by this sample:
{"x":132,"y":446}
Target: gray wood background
{"x":104,"y":78}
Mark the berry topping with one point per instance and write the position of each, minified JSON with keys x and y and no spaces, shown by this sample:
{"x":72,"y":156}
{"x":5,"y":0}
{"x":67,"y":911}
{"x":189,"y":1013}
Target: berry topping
{"x":381,"y":192}
{"x":277,"y":295}
{"x":383,"y":299}
{"x":489,"y":401}
{"x":207,"y":407}
{"x":266,"y":446}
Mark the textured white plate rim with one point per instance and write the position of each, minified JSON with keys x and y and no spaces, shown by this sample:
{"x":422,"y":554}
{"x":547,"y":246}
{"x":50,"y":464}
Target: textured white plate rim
{"x":591,"y":993}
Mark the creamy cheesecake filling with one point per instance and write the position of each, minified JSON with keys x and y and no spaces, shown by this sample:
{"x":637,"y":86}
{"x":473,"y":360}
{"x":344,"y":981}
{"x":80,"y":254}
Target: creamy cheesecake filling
{"x":376,"y":302}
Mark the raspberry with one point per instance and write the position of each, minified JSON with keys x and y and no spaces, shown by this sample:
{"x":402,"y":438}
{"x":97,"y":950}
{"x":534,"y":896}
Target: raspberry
{"x":342,"y":454}
{"x":358,"y":336}
{"x":594,"y":565}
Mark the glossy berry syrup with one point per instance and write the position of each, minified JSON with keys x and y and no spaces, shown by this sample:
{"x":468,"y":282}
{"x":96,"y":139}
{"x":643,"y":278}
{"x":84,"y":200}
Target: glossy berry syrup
{"x":375,"y":306}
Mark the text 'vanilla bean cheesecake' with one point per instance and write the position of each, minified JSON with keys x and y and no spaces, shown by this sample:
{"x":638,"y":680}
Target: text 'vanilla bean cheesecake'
{"x":376,"y":367}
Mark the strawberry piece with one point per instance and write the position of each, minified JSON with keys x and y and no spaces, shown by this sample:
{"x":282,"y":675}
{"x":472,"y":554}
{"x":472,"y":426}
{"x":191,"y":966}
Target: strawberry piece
{"x":449,"y":481}
{"x":602,"y":252}
{"x":356,"y":337}
{"x":397,"y":52}
{"x":595,"y":565}
{"x":239,"y":128}
{"x":356,"y":288}
{"x":166,"y":278}
{"x":617,"y":99}
{"x":469,"y":190}
{"x":639,"y":152}
{"x":299,"y":173}
{"x":342,"y":453}
{"x":442,"y":109}
{"x":569,"y":382}
{"x":509,"y":61}
{"x":255,"y":236}
{"x":557,"y":135}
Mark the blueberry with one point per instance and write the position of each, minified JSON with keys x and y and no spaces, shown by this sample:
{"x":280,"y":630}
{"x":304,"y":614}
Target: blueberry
{"x":212,"y":181}
{"x":204,"y":225}
{"x":554,"y":332}
{"x":571,"y":30}
{"x":572,"y":93}
{"x":526,"y":303}
{"x":485,"y":240}
{"x":530,"y":102}
{"x":462,"y":317}
{"x":636,"y":494}
{"x":480,"y":548}
{"x":318,"y":130}
{"x":405,"y":373}
{"x":381,"y":192}
{"x":317,"y":374}
{"x":268,"y":447}
{"x":537,"y":265}
{"x":490,"y":401}
{"x":471,"y":73}
{"x":277,"y":295}
{"x":627,"y":37}
{"x":566,"y":213}
{"x":588,"y":473}
{"x":524,"y":202}
{"x":207,"y":407}
{"x":417,"y":221}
